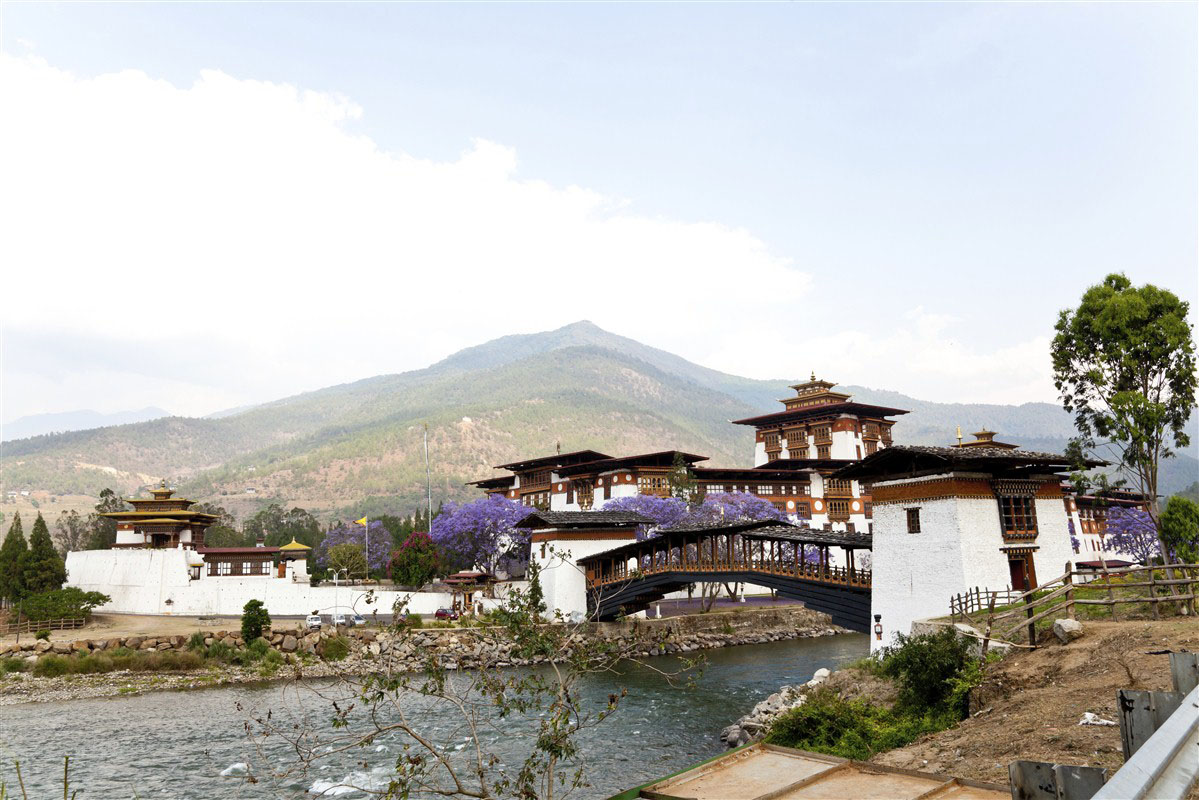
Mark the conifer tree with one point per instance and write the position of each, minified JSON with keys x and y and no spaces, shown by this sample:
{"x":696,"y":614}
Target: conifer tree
{"x":12,"y":561}
{"x":44,"y":570}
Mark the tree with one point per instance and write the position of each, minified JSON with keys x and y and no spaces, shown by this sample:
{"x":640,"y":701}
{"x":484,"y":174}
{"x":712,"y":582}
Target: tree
{"x":279,"y":527}
{"x":71,"y":532}
{"x":223,"y":532}
{"x":1180,"y":529}
{"x":1124,"y":363}
{"x":539,"y":712}
{"x":666,"y":512}
{"x":348,"y":557}
{"x":354,"y":534}
{"x":480,"y":533}
{"x":102,"y":531}
{"x":253,"y":619}
{"x":1131,"y":532}
{"x":44,"y":570}
{"x":13,"y":554}
{"x":732,"y":507}
{"x":681,"y":480}
{"x":415,"y":562}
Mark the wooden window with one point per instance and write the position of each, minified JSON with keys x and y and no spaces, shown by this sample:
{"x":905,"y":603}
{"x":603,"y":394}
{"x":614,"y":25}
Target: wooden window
{"x":913,"y":520}
{"x":650,"y":484}
{"x":801,"y":509}
{"x":772,"y":441}
{"x":764,"y":489}
{"x":869,"y":508}
{"x":871,"y":447}
{"x":1019,"y":516}
{"x":586,"y":492}
{"x":823,"y":434}
{"x":224,"y":568}
{"x":822,"y":451}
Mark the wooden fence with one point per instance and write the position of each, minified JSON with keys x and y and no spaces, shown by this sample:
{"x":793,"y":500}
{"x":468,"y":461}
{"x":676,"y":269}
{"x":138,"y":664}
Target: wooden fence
{"x":32,"y":626}
{"x":996,"y":611}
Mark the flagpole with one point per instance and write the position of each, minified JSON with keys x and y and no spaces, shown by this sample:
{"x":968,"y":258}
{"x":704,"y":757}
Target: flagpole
{"x":428,"y":479}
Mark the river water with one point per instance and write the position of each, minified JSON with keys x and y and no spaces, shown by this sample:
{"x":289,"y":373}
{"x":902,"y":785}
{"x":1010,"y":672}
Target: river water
{"x":175,"y":745}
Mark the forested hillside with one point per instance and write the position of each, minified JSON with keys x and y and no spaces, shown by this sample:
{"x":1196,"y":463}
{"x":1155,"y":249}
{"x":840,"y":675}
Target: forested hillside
{"x":359,"y":447}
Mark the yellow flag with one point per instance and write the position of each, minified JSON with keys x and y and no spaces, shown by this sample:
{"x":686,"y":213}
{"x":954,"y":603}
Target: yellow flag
{"x":361,"y":521}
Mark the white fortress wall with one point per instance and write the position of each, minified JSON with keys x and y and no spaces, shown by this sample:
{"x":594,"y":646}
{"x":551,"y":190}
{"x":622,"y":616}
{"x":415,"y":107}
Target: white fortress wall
{"x":142,"y":581}
{"x":914,"y":574}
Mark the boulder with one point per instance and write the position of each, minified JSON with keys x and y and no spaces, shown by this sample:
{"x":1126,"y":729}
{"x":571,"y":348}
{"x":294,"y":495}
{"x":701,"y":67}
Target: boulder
{"x":42,"y":646}
{"x":1067,"y":630}
{"x":134,"y":642}
{"x":112,"y":644}
{"x":821,"y":674}
{"x":148,"y":644}
{"x":62,"y":648}
{"x":81,"y":645}
{"x":289,"y":644}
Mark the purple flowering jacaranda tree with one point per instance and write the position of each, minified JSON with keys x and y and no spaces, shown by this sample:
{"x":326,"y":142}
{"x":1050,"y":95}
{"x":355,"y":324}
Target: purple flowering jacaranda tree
{"x":480,"y":533}
{"x":353,"y":533}
{"x":666,"y":512}
{"x":1131,"y":531}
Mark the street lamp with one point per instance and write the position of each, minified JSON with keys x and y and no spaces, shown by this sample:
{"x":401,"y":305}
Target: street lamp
{"x":336,"y":589}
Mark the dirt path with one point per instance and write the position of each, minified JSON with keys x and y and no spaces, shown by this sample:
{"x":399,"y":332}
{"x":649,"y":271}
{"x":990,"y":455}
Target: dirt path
{"x":1032,"y":701}
{"x":104,"y":626}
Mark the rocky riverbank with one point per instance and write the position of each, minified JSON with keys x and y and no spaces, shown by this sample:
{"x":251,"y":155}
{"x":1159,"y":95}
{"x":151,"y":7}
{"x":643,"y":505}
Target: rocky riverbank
{"x":371,"y":650}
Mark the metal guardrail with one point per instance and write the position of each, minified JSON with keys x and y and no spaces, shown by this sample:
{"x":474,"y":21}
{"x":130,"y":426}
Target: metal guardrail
{"x":1166,"y":765}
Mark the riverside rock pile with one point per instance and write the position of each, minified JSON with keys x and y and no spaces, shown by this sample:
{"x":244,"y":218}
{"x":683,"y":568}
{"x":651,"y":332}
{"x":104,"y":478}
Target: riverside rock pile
{"x":753,"y":726}
{"x":373,"y":650}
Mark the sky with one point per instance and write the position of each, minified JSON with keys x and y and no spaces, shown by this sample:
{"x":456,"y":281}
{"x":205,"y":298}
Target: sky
{"x":209,"y":205}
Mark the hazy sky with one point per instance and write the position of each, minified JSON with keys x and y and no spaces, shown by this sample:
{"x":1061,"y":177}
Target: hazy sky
{"x":207,"y":205}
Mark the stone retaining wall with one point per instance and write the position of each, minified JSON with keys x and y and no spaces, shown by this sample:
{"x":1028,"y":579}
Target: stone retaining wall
{"x":455,"y":648}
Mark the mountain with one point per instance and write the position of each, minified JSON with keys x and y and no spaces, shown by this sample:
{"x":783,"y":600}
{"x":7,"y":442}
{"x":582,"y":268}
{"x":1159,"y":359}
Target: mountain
{"x":38,"y":424}
{"x":358,"y":447}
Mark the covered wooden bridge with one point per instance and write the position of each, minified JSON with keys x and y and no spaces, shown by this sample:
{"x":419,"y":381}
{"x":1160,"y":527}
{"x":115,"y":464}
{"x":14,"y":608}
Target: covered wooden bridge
{"x":791,"y":560}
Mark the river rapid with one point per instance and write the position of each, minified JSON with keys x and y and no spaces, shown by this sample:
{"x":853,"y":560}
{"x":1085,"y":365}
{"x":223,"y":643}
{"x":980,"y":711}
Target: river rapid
{"x":175,"y":745}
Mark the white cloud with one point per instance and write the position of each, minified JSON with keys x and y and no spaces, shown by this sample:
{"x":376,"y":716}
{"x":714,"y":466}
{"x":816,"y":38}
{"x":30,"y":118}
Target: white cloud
{"x":250,"y":218}
{"x":922,"y":356}
{"x":237,"y":241}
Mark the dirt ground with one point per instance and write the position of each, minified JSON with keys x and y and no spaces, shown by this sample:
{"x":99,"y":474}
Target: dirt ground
{"x":111,"y":626}
{"x":1031,"y":702}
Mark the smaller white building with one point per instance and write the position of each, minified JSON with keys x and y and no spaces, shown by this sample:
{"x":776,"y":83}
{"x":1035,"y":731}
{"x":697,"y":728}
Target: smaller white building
{"x":558,"y":539}
{"x":948,"y":520}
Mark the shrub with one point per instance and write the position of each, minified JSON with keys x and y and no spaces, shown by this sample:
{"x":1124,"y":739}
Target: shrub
{"x":43,"y":635}
{"x":51,"y":666}
{"x":827,"y":723}
{"x":219,"y":651}
{"x":196,"y":641}
{"x":335,"y":649}
{"x":93,"y":663}
{"x":414,"y":621}
{"x":8,"y":665}
{"x":69,"y":602}
{"x":253,"y":619}
{"x":925,"y":666}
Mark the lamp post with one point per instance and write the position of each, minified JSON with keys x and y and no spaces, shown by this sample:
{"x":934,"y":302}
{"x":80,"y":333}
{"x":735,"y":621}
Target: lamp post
{"x":336,"y":591}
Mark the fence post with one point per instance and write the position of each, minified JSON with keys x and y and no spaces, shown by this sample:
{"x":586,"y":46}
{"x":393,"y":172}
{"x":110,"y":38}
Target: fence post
{"x":1070,"y":590}
{"x":1111,"y":597}
{"x":990,"y":620}
{"x":1032,"y":626}
{"x":1153,"y":592}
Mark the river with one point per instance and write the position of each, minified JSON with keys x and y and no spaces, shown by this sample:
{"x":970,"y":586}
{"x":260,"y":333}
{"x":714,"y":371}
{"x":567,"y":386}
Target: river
{"x":174,"y":745}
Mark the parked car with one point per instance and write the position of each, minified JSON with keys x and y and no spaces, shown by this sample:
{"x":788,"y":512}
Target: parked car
{"x":313,"y":622}
{"x":337,"y":619}
{"x":446,"y":613}
{"x":357,"y":620}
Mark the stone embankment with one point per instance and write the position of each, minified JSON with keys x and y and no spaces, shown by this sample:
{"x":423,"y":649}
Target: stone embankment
{"x":753,"y":726}
{"x":384,"y":650}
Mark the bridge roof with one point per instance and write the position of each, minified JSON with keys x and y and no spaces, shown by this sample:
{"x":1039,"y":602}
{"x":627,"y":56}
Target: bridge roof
{"x":583,"y":519}
{"x":792,"y":533}
{"x":758,"y":529}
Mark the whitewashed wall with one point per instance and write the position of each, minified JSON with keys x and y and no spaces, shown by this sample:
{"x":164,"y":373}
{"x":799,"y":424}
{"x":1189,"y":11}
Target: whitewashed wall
{"x":142,"y":581}
{"x":563,"y":582}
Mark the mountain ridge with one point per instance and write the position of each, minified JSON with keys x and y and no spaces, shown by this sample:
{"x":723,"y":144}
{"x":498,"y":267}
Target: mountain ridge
{"x":358,"y":445}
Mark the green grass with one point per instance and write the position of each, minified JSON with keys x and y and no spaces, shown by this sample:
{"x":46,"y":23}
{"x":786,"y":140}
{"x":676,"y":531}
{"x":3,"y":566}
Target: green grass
{"x":335,"y":649}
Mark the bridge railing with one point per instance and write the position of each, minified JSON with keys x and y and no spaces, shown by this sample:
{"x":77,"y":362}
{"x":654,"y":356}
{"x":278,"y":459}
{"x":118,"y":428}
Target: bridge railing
{"x":842,"y":576}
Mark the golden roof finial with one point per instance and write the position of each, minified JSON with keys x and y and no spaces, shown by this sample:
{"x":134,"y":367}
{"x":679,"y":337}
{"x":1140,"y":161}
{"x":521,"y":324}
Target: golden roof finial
{"x":813,"y":376}
{"x":959,"y":436}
